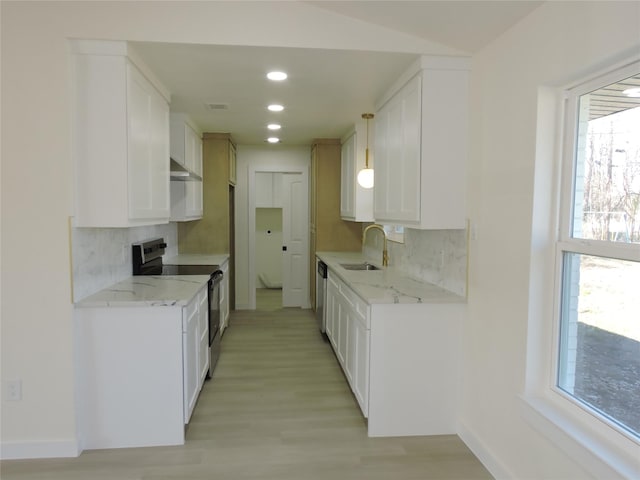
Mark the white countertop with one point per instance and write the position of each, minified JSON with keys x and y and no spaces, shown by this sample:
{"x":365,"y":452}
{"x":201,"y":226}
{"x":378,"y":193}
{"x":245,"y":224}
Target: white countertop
{"x":148,"y":291}
{"x":387,"y":285}
{"x":196,"y":259}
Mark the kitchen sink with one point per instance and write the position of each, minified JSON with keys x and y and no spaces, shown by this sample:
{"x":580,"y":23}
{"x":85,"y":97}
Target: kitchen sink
{"x":359,"y":266}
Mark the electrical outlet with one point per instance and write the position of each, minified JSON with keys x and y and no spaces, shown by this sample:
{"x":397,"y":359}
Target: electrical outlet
{"x":14,"y":390}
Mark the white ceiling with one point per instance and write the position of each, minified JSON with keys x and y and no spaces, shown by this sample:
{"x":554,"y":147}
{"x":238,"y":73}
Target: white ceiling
{"x":327,"y":90}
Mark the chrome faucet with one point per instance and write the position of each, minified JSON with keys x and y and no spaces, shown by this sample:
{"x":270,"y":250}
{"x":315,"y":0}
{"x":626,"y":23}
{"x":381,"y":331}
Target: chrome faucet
{"x":385,"y":253}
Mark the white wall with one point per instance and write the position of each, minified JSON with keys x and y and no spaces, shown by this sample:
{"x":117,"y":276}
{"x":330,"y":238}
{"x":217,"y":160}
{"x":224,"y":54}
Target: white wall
{"x":558,"y":44}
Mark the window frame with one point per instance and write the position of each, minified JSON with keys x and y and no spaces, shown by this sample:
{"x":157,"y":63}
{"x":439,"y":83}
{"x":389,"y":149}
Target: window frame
{"x":592,"y":440}
{"x":566,"y":243}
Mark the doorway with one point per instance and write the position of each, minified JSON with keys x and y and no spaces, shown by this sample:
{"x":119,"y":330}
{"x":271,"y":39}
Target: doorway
{"x":278,"y":236}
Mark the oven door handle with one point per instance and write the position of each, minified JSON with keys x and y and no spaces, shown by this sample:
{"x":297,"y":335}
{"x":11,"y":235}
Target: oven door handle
{"x":216,"y":277}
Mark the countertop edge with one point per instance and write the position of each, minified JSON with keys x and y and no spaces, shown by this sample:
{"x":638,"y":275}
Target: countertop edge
{"x":147,"y":291}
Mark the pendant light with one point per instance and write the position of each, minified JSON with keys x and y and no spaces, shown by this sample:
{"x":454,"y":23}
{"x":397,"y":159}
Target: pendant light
{"x":365,"y":176}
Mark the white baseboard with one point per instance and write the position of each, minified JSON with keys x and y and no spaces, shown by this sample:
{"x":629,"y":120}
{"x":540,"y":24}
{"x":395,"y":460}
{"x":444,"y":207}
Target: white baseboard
{"x":490,"y":462}
{"x":54,"y":449}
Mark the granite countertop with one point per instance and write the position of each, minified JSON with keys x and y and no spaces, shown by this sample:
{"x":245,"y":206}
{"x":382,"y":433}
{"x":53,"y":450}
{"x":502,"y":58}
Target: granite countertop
{"x":387,"y":285}
{"x":196,"y":259}
{"x":148,"y":291}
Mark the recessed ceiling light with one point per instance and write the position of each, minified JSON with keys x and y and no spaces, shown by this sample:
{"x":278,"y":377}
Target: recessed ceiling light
{"x":273,"y":140}
{"x":632,"y":92}
{"x":275,"y":108}
{"x":276,"y":76}
{"x":274,"y":126}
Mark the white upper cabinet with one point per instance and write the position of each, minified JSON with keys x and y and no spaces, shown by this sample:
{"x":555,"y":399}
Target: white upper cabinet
{"x":186,"y":149}
{"x":268,"y":189}
{"x":356,"y":202}
{"x":421,"y":138}
{"x":186,"y":143}
{"x":120,"y":138}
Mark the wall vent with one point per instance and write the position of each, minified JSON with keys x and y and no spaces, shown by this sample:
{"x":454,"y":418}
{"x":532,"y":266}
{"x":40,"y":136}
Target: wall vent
{"x":217,"y":106}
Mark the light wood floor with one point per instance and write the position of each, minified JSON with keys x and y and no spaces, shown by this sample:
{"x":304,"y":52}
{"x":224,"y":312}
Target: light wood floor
{"x":268,"y":299}
{"x":278,"y":407}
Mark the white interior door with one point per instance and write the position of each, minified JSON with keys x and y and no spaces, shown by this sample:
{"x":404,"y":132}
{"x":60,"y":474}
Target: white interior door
{"x":294,"y":240}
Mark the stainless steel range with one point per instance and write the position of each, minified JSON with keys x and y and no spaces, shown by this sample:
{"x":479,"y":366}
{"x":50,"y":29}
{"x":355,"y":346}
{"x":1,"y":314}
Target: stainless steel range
{"x":147,"y":260}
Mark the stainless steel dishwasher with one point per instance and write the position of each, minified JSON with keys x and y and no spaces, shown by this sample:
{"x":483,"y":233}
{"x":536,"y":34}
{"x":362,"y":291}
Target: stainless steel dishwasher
{"x":321,"y":294}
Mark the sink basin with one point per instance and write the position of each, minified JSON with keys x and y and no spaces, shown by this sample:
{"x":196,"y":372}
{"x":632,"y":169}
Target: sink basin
{"x":358,"y":266}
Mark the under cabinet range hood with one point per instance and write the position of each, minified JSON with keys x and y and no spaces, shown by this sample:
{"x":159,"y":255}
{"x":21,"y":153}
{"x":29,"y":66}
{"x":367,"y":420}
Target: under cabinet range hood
{"x":180,"y":173}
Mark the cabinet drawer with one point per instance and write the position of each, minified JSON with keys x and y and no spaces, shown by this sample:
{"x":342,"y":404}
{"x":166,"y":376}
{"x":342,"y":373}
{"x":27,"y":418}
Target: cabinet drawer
{"x":359,"y":306}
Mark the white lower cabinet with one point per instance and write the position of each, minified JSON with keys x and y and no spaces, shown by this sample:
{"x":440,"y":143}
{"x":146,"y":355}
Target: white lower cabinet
{"x":347,"y":319}
{"x":401,"y":360}
{"x":195,"y":338}
{"x":360,"y":384}
{"x":139,"y":372}
{"x":332,"y":309}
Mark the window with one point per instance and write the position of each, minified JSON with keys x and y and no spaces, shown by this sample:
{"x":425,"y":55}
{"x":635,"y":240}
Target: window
{"x":395,"y":233}
{"x":598,"y":250}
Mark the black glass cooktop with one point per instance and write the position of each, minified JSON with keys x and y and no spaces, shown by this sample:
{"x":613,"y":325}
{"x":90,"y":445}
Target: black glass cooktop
{"x":189,"y":269}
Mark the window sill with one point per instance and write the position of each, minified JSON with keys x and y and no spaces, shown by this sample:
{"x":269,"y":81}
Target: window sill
{"x":605,"y":456}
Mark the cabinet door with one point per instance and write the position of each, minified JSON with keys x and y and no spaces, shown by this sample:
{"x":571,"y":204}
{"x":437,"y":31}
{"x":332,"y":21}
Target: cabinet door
{"x":203,"y":333}
{"x":193,"y":192}
{"x":360,"y":383}
{"x":398,"y":156}
{"x":347,"y":177}
{"x":332,"y":310}
{"x":343,"y":330}
{"x":264,"y":189}
{"x":148,"y":149}
{"x":224,"y":297}
{"x":186,"y":201}
{"x":350,"y":348}
{"x":193,"y":150}
{"x":232,"y":163}
{"x":190,"y":348}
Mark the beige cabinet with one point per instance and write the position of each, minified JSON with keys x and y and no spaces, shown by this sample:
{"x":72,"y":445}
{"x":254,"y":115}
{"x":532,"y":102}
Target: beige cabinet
{"x":420,"y":147}
{"x":232,"y":163}
{"x":120,"y":127}
{"x":328,"y":231}
{"x":211,"y":234}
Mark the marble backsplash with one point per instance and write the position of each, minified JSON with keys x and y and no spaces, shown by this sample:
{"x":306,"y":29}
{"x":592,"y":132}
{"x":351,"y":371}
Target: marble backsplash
{"x":435,"y":256}
{"x":102,"y":256}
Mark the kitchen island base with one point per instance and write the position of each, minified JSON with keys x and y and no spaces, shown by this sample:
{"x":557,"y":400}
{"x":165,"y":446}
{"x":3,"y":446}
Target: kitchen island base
{"x":130,"y":377}
{"x":414,"y":369}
